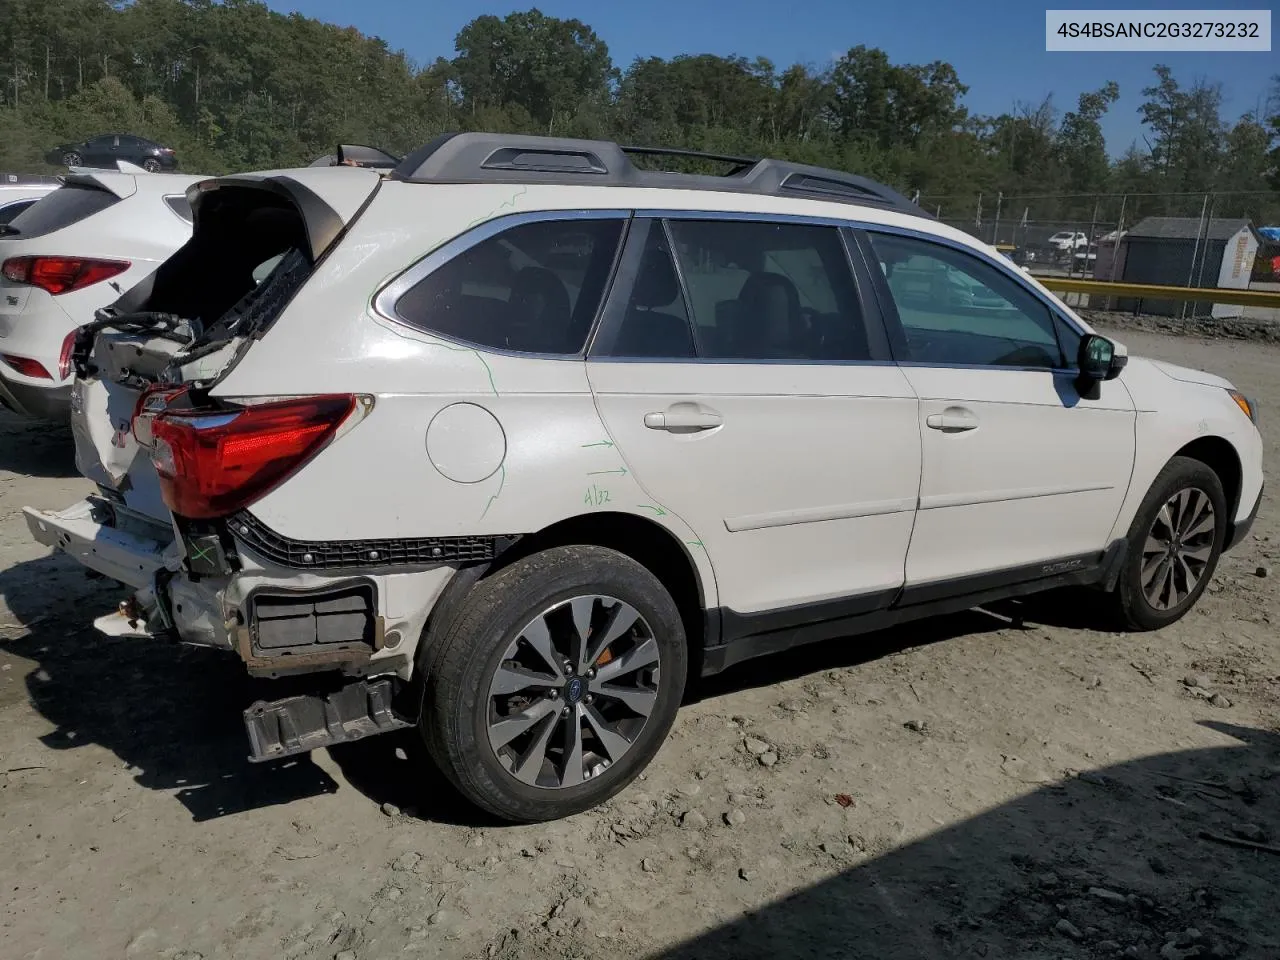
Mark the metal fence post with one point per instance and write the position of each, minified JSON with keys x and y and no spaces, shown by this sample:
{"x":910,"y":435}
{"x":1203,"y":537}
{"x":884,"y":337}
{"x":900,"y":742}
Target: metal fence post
{"x":1191,"y":274}
{"x":1093,"y":226}
{"x":995,"y":229}
{"x":1204,"y":252}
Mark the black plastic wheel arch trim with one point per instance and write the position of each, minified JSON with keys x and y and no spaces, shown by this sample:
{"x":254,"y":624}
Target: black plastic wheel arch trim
{"x":256,"y":536}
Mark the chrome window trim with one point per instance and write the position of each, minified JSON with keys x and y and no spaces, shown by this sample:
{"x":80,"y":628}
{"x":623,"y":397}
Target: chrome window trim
{"x":1013,"y":273}
{"x":866,"y":226}
{"x":383,"y":302}
{"x":662,"y":216}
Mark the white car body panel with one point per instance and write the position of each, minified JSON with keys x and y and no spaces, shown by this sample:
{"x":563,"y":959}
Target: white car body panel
{"x":812,"y":475}
{"x":1036,"y":480}
{"x":141,"y":228}
{"x":1172,"y":413}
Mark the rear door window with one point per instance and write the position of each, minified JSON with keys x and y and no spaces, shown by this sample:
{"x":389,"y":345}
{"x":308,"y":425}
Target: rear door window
{"x":178,"y":204}
{"x":770,"y":291}
{"x":11,"y":210}
{"x":70,"y":203}
{"x":745,"y":291}
{"x":534,"y":288}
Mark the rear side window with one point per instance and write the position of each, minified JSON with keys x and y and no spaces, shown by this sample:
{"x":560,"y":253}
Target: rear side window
{"x":178,"y":204}
{"x":755,"y":291}
{"x":69,"y":204}
{"x":770,"y":291}
{"x":534,"y":288}
{"x":11,"y":210}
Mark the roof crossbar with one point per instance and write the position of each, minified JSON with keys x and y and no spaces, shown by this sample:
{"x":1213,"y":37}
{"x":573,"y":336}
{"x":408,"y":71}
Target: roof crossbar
{"x":518,"y":159}
{"x":739,"y":163}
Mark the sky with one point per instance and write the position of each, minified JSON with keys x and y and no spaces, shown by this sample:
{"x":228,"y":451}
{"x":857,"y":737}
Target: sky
{"x":997,"y":48}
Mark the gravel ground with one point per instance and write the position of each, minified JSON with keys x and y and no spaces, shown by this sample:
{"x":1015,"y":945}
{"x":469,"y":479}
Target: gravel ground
{"x":1016,"y":784}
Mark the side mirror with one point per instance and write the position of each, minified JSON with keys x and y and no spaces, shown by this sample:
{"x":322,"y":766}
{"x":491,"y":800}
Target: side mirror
{"x":1098,"y":359}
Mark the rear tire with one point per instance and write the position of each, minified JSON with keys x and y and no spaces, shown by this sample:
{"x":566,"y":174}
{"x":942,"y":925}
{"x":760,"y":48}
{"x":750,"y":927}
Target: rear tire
{"x":543,"y":648}
{"x":151,"y":166}
{"x":72,"y":159}
{"x":1173,"y":546}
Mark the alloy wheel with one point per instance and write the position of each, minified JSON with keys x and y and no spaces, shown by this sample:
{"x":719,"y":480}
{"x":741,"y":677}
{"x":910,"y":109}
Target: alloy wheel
{"x":1178,"y":548}
{"x":573,"y":692}
{"x":72,"y":159}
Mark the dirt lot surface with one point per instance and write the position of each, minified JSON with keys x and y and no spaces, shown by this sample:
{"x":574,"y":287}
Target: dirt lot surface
{"x":968,"y":787}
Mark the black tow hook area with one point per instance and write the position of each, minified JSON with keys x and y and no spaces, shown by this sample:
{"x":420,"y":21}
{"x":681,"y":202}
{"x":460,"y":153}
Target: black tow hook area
{"x":309,"y":721}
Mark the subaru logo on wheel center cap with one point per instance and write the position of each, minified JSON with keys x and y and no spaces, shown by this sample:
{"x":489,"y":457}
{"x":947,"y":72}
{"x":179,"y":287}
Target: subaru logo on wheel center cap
{"x":573,"y":690}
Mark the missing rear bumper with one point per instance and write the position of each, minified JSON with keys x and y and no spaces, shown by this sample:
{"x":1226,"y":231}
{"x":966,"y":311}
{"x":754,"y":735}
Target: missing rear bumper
{"x":310,"y":721}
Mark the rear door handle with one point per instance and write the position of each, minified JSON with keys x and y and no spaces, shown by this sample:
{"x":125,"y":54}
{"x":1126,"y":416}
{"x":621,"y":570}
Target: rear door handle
{"x":682,"y":420}
{"x":952,"y":420}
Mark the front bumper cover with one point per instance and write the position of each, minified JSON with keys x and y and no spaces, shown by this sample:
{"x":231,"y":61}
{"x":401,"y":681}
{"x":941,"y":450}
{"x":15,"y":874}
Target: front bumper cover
{"x":1237,"y":530}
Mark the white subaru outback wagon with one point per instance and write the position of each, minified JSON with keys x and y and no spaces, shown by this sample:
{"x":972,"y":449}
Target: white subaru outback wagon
{"x":512,"y":440}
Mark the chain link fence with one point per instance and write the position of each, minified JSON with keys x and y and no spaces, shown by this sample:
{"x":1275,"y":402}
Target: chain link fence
{"x":1169,"y":239}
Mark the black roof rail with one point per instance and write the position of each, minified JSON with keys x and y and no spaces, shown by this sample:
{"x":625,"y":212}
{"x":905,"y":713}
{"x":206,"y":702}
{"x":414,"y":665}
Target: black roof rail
{"x":520,"y":159}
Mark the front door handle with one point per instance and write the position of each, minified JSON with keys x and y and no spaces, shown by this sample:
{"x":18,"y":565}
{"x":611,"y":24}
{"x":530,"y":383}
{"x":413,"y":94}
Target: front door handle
{"x":952,"y":420}
{"x":682,"y":420}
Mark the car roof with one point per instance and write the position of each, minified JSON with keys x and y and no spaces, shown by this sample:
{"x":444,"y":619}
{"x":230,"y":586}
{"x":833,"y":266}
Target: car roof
{"x":519,"y":159}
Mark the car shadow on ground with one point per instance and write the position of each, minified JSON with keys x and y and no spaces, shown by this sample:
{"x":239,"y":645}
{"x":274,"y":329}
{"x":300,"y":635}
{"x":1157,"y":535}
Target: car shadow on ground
{"x":1131,"y":861}
{"x":174,"y":713}
{"x":35,"y":448}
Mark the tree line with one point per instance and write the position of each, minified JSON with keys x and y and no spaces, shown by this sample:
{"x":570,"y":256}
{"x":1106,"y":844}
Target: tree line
{"x":232,"y":85}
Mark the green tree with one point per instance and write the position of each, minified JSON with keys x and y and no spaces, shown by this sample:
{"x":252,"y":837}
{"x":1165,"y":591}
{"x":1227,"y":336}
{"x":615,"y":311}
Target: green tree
{"x":544,"y":65}
{"x":1187,"y":129}
{"x":1081,"y":147}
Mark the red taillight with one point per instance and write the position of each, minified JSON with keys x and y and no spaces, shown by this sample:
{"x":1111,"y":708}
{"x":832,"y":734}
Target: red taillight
{"x":61,"y":274}
{"x":212,"y":464}
{"x":152,"y":402}
{"x":26,"y":366}
{"x":64,"y":355}
{"x":166,"y":150}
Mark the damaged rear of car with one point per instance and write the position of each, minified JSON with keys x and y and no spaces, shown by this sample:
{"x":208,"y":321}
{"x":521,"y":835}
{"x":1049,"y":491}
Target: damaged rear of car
{"x":176,"y":465}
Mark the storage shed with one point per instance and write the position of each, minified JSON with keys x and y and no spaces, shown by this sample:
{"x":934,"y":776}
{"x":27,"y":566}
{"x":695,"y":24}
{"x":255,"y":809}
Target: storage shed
{"x":1175,"y":250}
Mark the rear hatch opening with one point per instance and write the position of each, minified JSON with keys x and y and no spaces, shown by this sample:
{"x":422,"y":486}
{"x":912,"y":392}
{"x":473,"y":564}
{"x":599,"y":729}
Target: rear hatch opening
{"x":171,"y":339}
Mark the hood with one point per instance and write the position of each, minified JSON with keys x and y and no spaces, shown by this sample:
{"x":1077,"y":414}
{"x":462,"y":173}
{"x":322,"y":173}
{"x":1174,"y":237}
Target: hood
{"x":1187,"y":375}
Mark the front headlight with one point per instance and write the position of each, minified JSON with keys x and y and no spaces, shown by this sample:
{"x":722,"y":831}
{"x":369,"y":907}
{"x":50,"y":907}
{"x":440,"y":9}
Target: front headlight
{"x":1244,"y":403}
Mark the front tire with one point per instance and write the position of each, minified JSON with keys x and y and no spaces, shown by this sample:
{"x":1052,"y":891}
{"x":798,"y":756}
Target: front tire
{"x":555,"y":684}
{"x":72,"y":159}
{"x":1174,"y":544}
